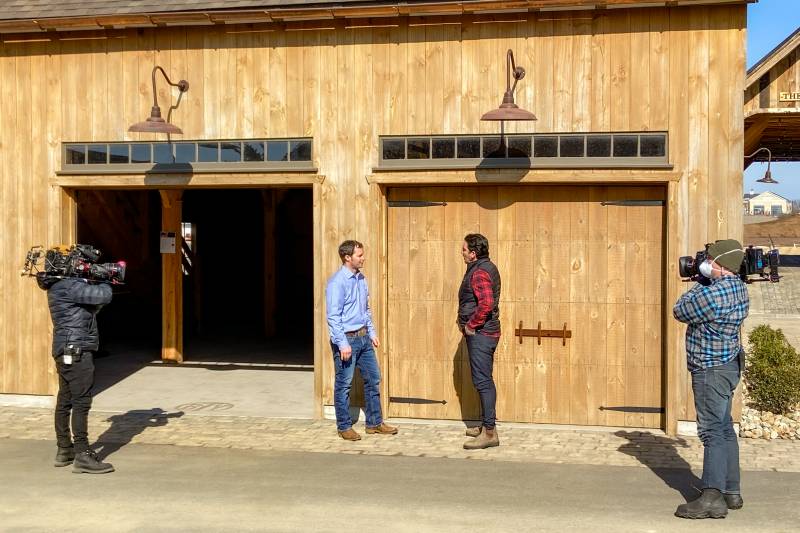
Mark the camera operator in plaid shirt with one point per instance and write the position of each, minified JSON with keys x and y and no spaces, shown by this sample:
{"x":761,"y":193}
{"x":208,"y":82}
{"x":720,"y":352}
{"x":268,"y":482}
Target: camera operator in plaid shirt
{"x":714,"y":313}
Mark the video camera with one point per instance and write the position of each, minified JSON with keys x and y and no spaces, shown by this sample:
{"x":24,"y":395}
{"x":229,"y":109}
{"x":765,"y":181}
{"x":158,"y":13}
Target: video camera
{"x":756,"y":262}
{"x":76,"y":261}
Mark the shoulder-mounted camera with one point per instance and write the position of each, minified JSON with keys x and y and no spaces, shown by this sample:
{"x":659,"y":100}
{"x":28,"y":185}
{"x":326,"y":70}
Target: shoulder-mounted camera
{"x":76,"y":261}
{"x":758,"y":265}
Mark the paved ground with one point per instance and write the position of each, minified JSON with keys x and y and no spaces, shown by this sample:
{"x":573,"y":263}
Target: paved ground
{"x":243,"y":378}
{"x":170,"y":488}
{"x":520,"y":444}
{"x":778,"y":304}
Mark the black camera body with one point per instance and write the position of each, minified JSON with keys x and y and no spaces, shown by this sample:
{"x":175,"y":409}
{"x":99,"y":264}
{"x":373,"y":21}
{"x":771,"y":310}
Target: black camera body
{"x":76,"y":261}
{"x":757,"y":262}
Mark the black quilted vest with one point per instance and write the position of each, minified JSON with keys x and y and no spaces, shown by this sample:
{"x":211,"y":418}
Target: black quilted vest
{"x":468,"y":302}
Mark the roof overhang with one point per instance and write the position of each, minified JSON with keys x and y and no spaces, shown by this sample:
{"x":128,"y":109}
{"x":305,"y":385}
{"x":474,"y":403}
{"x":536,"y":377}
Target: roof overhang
{"x":289,"y":11}
{"x":775,"y":129}
{"x":776,"y":55}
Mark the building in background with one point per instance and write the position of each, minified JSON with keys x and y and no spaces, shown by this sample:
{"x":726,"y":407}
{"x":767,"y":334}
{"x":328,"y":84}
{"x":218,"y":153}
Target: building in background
{"x":768,"y":203}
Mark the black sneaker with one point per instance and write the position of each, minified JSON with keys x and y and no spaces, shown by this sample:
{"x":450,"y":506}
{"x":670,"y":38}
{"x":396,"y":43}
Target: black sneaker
{"x":64,"y":456}
{"x":88,"y":463}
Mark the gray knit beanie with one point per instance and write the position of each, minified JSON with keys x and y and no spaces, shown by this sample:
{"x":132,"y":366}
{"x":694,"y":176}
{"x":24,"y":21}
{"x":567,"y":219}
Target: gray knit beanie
{"x":727,"y":253}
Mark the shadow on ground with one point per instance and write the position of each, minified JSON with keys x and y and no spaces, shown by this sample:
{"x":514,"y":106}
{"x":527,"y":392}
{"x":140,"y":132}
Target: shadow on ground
{"x":653,"y":450}
{"x":124,"y":427}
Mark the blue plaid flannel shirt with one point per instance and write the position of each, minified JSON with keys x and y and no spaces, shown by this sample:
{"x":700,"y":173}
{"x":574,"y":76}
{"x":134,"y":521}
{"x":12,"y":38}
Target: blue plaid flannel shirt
{"x":714,"y":315}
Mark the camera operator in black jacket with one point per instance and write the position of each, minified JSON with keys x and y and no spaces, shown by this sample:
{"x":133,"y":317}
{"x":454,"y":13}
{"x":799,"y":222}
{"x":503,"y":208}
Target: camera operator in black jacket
{"x":74,"y":304}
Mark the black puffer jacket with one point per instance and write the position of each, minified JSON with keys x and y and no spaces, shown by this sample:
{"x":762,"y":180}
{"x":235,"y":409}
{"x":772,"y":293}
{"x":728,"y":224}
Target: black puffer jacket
{"x":73,"y":305}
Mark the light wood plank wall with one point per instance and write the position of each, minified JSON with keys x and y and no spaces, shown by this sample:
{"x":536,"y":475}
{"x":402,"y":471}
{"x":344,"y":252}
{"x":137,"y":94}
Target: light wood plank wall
{"x":784,"y":77}
{"x":679,"y":69}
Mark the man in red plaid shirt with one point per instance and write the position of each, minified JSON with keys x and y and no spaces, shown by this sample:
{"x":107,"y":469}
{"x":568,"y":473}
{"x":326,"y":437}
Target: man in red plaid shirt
{"x":479,"y":321}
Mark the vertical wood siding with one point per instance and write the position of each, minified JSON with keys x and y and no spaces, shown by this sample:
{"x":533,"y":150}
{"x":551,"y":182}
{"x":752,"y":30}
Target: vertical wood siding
{"x":675,"y":69}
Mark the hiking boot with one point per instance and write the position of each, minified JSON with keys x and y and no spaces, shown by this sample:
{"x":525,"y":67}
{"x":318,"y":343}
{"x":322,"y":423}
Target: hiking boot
{"x":487,"y":438}
{"x":88,"y":463}
{"x":349,"y":434}
{"x":710,"y":504}
{"x":64,"y":456}
{"x":382,"y":429}
{"x":733,"y":501}
{"x":474,"y":431}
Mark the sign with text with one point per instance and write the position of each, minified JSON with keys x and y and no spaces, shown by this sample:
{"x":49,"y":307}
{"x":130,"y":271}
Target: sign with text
{"x":789,"y":97}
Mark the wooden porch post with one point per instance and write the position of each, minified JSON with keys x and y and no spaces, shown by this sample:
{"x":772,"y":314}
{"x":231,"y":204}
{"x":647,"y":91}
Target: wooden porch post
{"x":172,"y":279}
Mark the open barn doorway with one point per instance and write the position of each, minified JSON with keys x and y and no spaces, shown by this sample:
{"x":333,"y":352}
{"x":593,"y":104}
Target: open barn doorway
{"x":248,"y":277}
{"x":247,"y":301}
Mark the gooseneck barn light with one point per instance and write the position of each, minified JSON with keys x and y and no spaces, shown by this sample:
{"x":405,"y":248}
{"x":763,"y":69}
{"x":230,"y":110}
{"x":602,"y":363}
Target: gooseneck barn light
{"x":508,"y":110}
{"x":767,"y":175}
{"x":156,"y":124}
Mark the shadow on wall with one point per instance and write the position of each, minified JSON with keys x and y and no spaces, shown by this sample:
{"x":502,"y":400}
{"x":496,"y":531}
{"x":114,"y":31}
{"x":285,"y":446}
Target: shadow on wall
{"x":468,"y":400}
{"x":655,"y":450}
{"x":509,"y":171}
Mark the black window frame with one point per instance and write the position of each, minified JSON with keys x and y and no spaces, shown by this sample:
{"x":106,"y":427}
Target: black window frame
{"x":302,"y":146}
{"x":556,"y":160}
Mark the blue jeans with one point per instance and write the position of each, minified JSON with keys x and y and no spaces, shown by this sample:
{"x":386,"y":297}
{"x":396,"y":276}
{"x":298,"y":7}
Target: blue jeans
{"x":481,"y":362}
{"x":363,"y":357}
{"x":713,"y":394}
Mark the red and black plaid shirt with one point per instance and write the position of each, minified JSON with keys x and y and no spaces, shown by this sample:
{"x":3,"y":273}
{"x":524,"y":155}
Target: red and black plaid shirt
{"x":481,"y":285}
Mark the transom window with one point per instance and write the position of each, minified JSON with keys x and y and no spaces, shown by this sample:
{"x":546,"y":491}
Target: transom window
{"x":539,"y":150}
{"x":244,"y":155}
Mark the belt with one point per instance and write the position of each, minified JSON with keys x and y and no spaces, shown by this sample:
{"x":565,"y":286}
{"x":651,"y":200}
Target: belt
{"x":358,"y":333}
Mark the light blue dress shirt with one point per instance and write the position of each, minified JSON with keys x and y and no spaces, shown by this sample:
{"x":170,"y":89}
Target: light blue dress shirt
{"x":347,"y":299}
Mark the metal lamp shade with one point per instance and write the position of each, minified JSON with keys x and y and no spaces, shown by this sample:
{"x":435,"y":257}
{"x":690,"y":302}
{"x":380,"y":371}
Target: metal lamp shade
{"x":155,"y":124}
{"x":508,"y":112}
{"x":767,"y":178}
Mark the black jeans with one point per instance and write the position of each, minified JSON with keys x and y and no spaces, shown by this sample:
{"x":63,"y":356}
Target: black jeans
{"x":481,"y":361}
{"x":74,"y":397}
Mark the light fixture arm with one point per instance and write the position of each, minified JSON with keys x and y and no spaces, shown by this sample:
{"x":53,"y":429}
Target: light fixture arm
{"x":769,"y":154}
{"x":768,"y":174}
{"x":512,"y":70}
{"x":182,"y":86}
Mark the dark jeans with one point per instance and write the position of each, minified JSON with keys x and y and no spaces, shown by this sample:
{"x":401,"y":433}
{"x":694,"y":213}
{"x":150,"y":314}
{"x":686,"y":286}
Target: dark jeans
{"x":713,"y":394}
{"x":74,"y":397}
{"x":363,"y":357}
{"x":481,"y":361}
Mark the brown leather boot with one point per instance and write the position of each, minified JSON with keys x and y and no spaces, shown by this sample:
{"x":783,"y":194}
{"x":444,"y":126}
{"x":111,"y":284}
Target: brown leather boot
{"x":474,"y":431}
{"x":349,"y":434}
{"x":382,"y":429}
{"x":487,"y":439}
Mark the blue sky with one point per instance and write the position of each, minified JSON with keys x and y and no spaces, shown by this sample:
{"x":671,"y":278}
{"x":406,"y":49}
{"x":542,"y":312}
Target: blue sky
{"x":768,"y":23}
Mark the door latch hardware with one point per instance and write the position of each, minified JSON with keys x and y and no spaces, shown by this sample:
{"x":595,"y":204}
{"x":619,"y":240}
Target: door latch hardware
{"x":562,"y":333}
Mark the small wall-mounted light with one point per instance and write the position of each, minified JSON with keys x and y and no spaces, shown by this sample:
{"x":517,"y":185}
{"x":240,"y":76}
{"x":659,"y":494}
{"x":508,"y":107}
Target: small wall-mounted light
{"x":154,"y":123}
{"x":767,"y":175}
{"x":508,"y":110}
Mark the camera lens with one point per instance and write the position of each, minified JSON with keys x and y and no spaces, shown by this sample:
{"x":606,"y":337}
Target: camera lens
{"x":687,"y":267}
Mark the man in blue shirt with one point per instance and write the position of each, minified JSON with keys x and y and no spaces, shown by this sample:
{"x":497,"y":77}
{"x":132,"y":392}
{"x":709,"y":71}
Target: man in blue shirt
{"x":353,"y":339}
{"x":714,"y":313}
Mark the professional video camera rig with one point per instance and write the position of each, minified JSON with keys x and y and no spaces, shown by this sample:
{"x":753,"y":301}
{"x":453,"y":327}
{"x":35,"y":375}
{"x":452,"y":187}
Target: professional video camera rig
{"x":761,"y":264}
{"x":76,"y":261}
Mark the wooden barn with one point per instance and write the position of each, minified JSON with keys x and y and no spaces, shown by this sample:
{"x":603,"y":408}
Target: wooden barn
{"x":308,"y":123}
{"x":772,"y":105}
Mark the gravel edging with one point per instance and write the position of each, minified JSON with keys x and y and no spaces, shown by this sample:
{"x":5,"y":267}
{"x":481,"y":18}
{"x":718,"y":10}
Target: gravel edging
{"x":756,"y":424}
